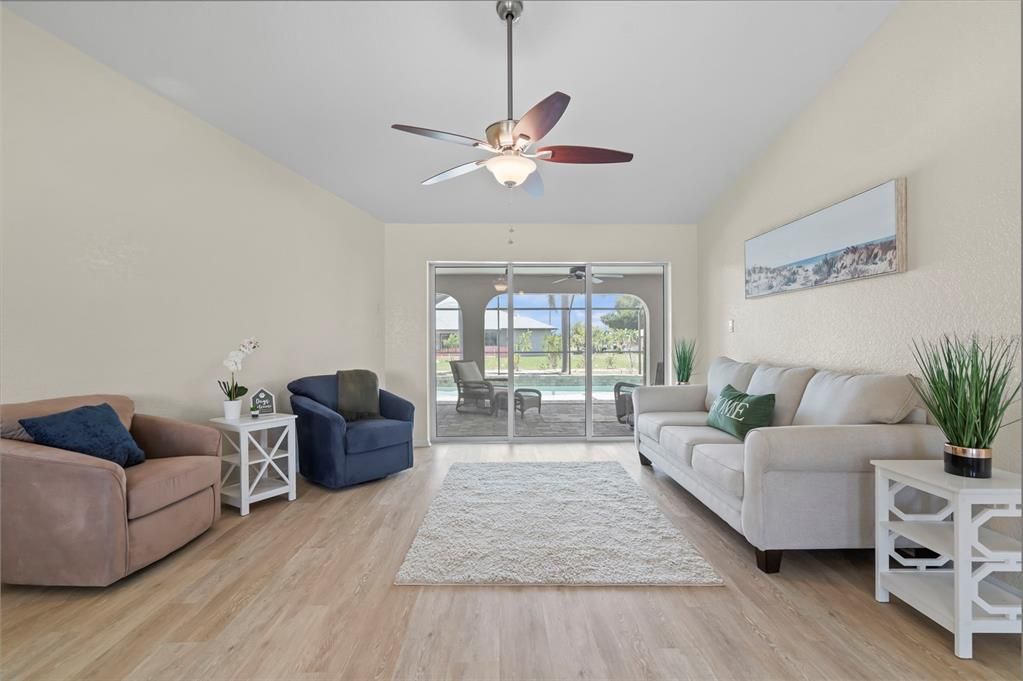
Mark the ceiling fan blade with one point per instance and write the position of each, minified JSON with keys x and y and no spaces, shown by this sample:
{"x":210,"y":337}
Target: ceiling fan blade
{"x":442,"y":136}
{"x":571,"y":154}
{"x":533,"y":184}
{"x":612,"y":276}
{"x":597,"y":281}
{"x":539,"y":120}
{"x":558,"y":281}
{"x":454,"y":172}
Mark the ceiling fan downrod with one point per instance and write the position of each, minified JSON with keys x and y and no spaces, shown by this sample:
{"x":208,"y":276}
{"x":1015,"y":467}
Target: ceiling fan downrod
{"x":509,"y":12}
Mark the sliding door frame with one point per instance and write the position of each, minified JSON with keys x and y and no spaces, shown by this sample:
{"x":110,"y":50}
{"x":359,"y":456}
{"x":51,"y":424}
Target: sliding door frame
{"x":510,"y":437}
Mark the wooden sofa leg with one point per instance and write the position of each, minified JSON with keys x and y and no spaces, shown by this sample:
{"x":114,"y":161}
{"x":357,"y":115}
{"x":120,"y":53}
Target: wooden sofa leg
{"x":769,"y":561}
{"x":643,"y":461}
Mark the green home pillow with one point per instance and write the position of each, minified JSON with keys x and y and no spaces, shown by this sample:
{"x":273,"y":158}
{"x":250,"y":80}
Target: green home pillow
{"x":737,"y":413}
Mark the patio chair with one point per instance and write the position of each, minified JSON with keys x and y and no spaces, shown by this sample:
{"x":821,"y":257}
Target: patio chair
{"x":474,"y":389}
{"x":623,"y":395}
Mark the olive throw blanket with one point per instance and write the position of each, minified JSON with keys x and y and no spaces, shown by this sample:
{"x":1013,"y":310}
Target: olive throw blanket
{"x":358,"y":394}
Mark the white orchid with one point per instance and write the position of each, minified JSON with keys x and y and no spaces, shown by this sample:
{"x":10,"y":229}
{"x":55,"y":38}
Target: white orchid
{"x":248,"y":345}
{"x":233,"y":362}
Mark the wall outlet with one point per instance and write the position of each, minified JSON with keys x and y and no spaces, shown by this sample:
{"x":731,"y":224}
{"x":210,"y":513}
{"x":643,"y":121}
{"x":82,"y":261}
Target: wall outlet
{"x":731,"y":326}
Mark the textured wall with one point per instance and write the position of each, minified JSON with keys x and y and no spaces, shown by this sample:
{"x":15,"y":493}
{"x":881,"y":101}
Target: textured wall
{"x":411,"y":247}
{"x":934,"y":96}
{"x":131,"y":231}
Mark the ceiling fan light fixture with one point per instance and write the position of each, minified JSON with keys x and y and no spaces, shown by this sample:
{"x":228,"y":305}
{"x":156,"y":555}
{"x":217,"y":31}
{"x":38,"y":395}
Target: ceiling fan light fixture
{"x":510,"y":169}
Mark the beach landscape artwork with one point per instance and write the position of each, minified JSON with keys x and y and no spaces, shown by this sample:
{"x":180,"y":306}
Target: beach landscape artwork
{"x":862,"y":236}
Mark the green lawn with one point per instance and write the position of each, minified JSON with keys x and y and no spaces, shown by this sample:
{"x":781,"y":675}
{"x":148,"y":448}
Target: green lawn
{"x":603,"y":362}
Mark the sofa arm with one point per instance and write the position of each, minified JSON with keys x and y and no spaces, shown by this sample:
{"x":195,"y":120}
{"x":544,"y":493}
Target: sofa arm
{"x":812,"y":487}
{"x":64,"y":517}
{"x":837,"y":449}
{"x":669,"y":398}
{"x":321,"y":441}
{"x":161,"y":437}
{"x":397,"y":408}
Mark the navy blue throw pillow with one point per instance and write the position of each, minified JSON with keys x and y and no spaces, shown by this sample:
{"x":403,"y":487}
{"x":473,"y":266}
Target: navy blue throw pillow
{"x":92,"y":430}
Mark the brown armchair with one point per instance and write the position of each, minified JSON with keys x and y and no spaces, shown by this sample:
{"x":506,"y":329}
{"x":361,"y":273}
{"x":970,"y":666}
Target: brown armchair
{"x":70,"y":519}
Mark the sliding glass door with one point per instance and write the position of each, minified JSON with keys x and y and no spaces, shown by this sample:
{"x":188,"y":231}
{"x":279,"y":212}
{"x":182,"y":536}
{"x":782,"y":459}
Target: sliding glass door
{"x":469,"y":336}
{"x":627,"y":344}
{"x":543,"y":351}
{"x":549,"y":351}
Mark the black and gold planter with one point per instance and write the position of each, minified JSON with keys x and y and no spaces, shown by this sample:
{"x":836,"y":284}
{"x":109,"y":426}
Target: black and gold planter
{"x":967,"y":462}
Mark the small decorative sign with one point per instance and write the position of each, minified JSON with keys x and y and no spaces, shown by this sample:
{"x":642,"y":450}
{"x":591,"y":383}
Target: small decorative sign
{"x":264,"y":401}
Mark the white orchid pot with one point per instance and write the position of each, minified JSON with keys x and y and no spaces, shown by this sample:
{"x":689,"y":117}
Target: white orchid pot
{"x":232,"y":410}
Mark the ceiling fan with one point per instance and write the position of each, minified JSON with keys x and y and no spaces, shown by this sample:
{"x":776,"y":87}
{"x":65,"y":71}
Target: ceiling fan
{"x":578,"y":273}
{"x":510,"y":141}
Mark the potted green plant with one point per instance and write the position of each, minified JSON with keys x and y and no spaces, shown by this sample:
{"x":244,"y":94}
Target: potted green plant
{"x":685,"y":360}
{"x":967,"y":386}
{"x":232,"y":391}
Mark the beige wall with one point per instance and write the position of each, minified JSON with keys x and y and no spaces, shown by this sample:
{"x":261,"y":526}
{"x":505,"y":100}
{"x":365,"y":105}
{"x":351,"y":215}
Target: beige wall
{"x":933,"y":96}
{"x":410,"y":248}
{"x":131,"y":231}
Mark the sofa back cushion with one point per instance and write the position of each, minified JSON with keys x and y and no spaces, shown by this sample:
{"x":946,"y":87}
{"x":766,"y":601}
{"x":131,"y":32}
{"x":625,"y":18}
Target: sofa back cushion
{"x":846,"y":399}
{"x":322,"y":389}
{"x":11,"y":413}
{"x":786,"y":384}
{"x":725,"y":371}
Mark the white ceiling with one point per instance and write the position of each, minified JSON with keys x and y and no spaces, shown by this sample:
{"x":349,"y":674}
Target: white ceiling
{"x":694,"y":89}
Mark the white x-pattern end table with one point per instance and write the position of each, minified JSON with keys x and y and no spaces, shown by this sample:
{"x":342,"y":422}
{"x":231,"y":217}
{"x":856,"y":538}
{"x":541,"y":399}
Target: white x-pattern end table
{"x":960,"y":598}
{"x":253,"y":471}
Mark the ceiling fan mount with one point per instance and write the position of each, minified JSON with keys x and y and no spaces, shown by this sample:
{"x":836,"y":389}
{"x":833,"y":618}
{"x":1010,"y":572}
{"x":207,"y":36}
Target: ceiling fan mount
{"x":509,"y":8}
{"x":510,"y":141}
{"x":578,"y":273}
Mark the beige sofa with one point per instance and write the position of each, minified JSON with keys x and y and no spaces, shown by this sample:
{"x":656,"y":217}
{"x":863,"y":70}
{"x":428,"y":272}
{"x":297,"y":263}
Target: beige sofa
{"x":70,"y":519}
{"x":806,"y":481}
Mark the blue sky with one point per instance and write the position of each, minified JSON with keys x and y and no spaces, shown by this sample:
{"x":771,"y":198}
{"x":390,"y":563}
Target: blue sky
{"x":524,"y":301}
{"x":865,"y":217}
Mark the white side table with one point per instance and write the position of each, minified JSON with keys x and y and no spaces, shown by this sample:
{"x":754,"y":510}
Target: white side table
{"x":275,"y":474}
{"x":959,"y":599}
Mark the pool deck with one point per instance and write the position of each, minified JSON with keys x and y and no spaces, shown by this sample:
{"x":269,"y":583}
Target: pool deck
{"x":557,"y":418}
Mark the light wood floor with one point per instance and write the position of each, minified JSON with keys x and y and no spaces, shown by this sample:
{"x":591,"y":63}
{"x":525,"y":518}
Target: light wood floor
{"x":303,"y":591}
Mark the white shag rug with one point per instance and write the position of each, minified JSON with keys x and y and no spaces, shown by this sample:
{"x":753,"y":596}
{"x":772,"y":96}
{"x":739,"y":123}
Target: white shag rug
{"x":545,"y":524}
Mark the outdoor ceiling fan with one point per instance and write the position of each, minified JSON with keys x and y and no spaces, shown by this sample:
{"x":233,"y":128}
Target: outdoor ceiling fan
{"x":578,"y":273}
{"x":511,"y":141}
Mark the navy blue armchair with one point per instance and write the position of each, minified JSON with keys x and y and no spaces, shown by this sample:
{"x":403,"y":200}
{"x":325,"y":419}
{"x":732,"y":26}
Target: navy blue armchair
{"x":336,"y":453}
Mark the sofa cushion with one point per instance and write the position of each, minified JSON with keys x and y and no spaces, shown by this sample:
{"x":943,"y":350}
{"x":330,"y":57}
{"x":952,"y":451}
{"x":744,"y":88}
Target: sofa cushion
{"x":724,"y":371}
{"x":95,"y":430}
{"x":680,"y":440}
{"x":370,"y":434}
{"x":322,"y":389}
{"x":845,"y":399}
{"x":156,"y":535}
{"x":738,"y":413}
{"x":786,"y":384}
{"x":721,"y":465}
{"x":11,"y":413}
{"x":161,"y":482}
{"x":651,"y":423}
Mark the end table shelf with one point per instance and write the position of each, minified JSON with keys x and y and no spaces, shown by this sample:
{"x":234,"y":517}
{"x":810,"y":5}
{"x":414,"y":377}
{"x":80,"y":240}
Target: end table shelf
{"x":960,"y":598}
